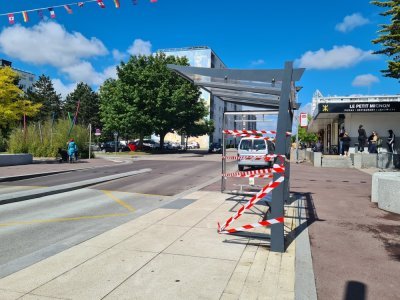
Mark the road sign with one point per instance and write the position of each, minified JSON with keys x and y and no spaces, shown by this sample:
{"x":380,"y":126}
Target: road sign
{"x":98,"y":132}
{"x":115,"y":134}
{"x":303,"y":120}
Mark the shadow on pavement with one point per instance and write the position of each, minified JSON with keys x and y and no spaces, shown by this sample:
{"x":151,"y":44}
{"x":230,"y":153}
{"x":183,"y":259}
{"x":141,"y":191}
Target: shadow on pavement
{"x":311,"y":215}
{"x":355,"y":290}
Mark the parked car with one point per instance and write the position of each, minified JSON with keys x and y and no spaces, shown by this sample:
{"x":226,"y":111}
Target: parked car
{"x":133,"y":146}
{"x":193,"y":145}
{"x":110,"y":147}
{"x":171,"y":145}
{"x":251,"y":147}
{"x":95,"y":147}
{"x":215,"y":148}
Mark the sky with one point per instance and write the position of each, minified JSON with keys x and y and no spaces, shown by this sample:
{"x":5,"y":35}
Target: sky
{"x":331,"y":39}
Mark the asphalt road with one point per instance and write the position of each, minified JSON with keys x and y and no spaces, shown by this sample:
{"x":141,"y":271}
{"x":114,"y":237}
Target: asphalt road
{"x":38,"y":228}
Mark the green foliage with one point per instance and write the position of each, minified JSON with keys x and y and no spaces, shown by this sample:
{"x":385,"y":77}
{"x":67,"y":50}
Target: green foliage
{"x":88,"y":107}
{"x":304,"y":135}
{"x":198,"y":128}
{"x":13,"y":105}
{"x":43,"y":140}
{"x":389,"y":37}
{"x":43,"y":92}
{"x":119,"y":113}
{"x":147,"y":97}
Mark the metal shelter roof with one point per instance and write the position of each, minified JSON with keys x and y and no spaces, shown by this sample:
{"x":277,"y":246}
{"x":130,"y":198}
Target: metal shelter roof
{"x":258,"y":88}
{"x":274,"y":90}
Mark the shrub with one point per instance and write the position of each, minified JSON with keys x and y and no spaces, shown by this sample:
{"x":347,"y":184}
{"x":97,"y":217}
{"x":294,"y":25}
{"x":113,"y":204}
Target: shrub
{"x":44,"y":140}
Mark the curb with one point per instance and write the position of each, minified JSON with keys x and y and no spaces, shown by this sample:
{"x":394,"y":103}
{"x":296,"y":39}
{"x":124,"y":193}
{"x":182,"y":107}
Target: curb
{"x":34,"y":175}
{"x":305,"y":288}
{"x":41,"y":192}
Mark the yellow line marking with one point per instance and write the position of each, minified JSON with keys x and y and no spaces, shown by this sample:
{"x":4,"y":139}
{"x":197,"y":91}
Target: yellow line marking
{"x":119,"y":201}
{"x":61,"y":219}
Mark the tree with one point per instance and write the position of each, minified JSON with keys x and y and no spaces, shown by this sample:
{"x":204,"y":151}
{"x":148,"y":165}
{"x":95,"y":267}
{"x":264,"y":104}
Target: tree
{"x":88,"y":106}
{"x":390,"y":37}
{"x":43,"y":92}
{"x":13,"y":105}
{"x":162,"y":100}
{"x":304,"y":135}
{"x":198,"y":128}
{"x":118,"y":112}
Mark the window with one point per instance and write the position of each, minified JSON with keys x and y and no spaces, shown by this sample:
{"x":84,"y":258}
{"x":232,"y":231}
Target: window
{"x":259,"y":145}
{"x":246,"y":144}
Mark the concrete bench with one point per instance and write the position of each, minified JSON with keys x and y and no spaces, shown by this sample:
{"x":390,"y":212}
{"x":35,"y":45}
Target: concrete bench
{"x":15,"y":159}
{"x":386,"y":191}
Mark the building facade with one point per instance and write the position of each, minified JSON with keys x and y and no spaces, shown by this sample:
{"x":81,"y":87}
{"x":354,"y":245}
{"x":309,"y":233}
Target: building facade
{"x":26,"y":79}
{"x":205,"y":57}
{"x":375,"y":112}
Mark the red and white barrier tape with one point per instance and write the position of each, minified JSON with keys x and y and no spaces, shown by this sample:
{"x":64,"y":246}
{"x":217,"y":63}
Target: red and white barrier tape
{"x":254,"y":136}
{"x":275,"y":169}
{"x":268,"y":157}
{"x":261,"y":194}
{"x":252,"y":132}
{"x":237,"y":174}
{"x":251,"y":226}
{"x":255,"y":157}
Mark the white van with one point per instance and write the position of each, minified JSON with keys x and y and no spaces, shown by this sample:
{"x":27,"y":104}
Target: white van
{"x":251,"y":147}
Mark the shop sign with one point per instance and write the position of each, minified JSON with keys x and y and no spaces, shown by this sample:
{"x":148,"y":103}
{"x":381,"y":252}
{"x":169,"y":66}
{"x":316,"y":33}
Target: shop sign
{"x":303,"y":120}
{"x":359,"y":107}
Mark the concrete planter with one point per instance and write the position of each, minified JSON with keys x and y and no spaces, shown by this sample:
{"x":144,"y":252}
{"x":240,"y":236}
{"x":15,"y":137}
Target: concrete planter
{"x":15,"y":159}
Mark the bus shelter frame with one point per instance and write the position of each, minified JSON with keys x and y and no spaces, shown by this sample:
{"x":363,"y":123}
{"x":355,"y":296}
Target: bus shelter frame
{"x":272,"y":89}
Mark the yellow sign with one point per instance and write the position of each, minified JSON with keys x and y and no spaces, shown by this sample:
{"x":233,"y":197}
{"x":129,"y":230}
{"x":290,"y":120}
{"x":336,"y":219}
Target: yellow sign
{"x":325,"y":108}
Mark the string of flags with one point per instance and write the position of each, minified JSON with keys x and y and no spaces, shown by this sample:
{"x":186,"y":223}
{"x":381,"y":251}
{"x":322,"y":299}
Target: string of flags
{"x":67,"y":7}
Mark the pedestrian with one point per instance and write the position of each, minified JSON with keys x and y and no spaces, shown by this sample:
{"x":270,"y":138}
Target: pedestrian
{"x":362,"y":136}
{"x":72,"y":148}
{"x":391,"y":140}
{"x":374,"y":142}
{"x":341,"y":135}
{"x":346,"y":144}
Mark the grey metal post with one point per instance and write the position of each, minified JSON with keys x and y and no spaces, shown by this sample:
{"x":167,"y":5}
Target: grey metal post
{"x":277,"y":206}
{"x":223,"y":179}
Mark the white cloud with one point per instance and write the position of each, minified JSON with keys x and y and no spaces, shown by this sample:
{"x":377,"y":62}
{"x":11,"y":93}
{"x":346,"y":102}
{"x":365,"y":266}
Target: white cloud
{"x":110,"y":72}
{"x":48,"y":43}
{"x":63,"y":89}
{"x":337,"y":57}
{"x":140,"y":47}
{"x":350,"y":22}
{"x":85,"y":72}
{"x":365,"y":80}
{"x":257,"y":62}
{"x":118,"y":55}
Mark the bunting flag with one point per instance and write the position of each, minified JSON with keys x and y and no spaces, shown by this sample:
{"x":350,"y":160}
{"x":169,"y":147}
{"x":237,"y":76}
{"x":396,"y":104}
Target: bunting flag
{"x":40,"y":14}
{"x":11,"y":19}
{"x":52,"y":13}
{"x":68,"y":9}
{"x":25,"y":16}
{"x":101,"y":3}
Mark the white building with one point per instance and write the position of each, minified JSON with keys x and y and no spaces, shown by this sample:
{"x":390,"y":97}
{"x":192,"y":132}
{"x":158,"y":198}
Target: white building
{"x":374,"y":112}
{"x":26,"y":79}
{"x":205,"y":57}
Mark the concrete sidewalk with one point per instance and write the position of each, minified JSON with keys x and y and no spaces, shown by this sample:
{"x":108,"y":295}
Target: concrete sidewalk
{"x":175,"y":252}
{"x":171,"y":253}
{"x":50,"y":166}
